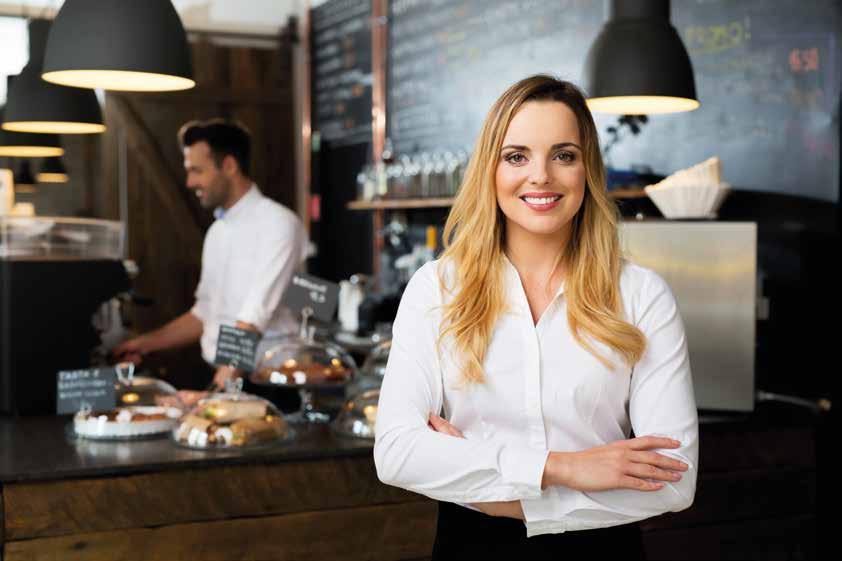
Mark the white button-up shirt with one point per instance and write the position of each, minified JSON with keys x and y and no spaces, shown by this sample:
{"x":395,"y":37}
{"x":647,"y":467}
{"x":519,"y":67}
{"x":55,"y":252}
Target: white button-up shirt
{"x":542,"y":392}
{"x":248,"y":258}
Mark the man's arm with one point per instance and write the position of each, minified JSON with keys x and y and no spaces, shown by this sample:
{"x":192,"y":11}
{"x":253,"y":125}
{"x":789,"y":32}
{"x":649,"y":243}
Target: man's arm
{"x":183,"y":330}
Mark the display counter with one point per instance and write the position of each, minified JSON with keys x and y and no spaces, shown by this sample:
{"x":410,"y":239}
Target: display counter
{"x":318,"y":497}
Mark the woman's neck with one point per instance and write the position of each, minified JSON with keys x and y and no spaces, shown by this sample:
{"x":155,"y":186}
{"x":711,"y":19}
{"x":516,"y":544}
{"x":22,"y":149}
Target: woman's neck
{"x":537,"y":257}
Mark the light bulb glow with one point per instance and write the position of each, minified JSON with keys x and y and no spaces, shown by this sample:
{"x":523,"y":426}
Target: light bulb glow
{"x":31,"y":151}
{"x":119,"y":80}
{"x":641,"y":105}
{"x":53,"y":177}
{"x":57,"y":127}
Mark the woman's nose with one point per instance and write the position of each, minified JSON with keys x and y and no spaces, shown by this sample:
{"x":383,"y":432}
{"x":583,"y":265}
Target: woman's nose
{"x":538,"y":174}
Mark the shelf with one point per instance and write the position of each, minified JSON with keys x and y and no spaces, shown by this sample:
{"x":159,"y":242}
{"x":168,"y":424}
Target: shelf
{"x":446,"y":202}
{"x":400,"y":203}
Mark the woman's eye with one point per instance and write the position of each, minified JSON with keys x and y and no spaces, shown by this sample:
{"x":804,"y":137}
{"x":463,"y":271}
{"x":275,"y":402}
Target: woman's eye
{"x":566,"y":156}
{"x":515,"y":158}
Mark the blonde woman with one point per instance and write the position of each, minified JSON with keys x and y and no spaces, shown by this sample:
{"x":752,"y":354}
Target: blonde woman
{"x":526,"y":355}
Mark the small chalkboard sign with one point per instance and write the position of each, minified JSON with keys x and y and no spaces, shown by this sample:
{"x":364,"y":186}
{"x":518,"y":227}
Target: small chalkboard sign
{"x":85,"y":389}
{"x":307,"y":291}
{"x":236,"y":347}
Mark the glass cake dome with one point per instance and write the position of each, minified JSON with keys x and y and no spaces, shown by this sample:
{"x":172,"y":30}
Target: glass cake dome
{"x":357,"y":419}
{"x":302,"y":362}
{"x":373,"y":369}
{"x":145,"y":407}
{"x":231,"y":420}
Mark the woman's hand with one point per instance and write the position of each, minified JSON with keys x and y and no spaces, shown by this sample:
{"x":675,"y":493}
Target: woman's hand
{"x":508,"y":509}
{"x":625,"y":464}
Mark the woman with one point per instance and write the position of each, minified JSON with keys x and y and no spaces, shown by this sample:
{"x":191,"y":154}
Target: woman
{"x":541,"y":349}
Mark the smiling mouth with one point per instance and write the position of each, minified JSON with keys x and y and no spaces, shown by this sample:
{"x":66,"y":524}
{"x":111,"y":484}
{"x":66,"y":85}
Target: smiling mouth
{"x":543,"y":200}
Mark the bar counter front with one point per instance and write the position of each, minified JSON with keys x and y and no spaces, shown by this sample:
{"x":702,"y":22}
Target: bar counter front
{"x":318,"y":497}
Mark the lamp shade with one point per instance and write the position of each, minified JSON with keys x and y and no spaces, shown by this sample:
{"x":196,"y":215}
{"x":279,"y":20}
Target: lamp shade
{"x":53,"y":171}
{"x":638,"y":65}
{"x":34,"y":105}
{"x":28,"y":144}
{"x":118,"y":45}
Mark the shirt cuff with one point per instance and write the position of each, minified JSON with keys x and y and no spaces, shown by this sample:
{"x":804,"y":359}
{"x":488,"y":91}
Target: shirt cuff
{"x":553,"y":504}
{"x":524,"y":467}
{"x":255,"y":315}
{"x":196,"y":310}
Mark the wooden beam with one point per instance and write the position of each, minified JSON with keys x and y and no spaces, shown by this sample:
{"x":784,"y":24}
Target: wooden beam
{"x":381,"y":532}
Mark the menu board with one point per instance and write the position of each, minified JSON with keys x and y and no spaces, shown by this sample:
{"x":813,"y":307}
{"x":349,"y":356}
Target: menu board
{"x":767,"y":75}
{"x":236,"y":347}
{"x":90,"y":389}
{"x":341,"y":55}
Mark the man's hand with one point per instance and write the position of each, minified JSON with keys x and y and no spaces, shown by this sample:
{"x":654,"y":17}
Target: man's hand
{"x":191,"y":397}
{"x":132,"y":350}
{"x":225,"y":373}
{"x":507,"y":509}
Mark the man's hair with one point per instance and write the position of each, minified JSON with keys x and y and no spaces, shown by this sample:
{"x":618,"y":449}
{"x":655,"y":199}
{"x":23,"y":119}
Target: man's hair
{"x":225,"y":138}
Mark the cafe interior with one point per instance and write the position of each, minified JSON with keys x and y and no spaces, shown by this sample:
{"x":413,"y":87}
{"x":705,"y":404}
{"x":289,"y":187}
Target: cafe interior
{"x":719,"y":127}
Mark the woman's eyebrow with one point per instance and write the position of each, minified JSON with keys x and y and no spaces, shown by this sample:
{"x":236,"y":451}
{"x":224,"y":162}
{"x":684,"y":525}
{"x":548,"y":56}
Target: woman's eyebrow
{"x":554,"y":146}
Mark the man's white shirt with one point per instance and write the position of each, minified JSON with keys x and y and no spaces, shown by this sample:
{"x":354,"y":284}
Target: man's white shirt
{"x":249,"y":256}
{"x":543,"y":392}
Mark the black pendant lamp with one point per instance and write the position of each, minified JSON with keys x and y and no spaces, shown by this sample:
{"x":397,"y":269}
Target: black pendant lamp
{"x":638,"y":65}
{"x":24,"y":180}
{"x":134,"y":45}
{"x":28,"y":144}
{"x":53,"y":171}
{"x":34,"y":105}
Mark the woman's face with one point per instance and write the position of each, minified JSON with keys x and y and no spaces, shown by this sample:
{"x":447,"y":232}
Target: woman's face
{"x":541,"y":172}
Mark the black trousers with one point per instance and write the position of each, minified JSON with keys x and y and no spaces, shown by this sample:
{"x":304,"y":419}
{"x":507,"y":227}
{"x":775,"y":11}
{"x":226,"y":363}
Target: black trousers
{"x":466,"y":534}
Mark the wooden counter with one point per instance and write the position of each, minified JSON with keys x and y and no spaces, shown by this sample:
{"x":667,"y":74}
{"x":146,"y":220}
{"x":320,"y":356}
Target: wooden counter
{"x":319,"y":498}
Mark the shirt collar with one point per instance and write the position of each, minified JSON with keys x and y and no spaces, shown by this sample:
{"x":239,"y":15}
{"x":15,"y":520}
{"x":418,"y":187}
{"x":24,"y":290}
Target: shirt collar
{"x":515,"y":276}
{"x":248,"y":199}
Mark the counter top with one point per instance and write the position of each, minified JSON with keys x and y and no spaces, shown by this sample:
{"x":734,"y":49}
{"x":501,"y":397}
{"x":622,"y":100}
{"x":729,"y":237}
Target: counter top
{"x":43,"y":448}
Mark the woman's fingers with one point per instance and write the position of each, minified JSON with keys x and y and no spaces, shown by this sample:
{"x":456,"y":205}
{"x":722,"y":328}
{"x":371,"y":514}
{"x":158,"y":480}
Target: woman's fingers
{"x":658,"y":460}
{"x":639,"y":484}
{"x":651,"y":472}
{"x":442,"y":426}
{"x":650,"y":442}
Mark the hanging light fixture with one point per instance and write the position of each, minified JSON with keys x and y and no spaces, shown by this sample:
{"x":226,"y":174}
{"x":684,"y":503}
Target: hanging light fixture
{"x":24,"y":180}
{"x":118,"y":45}
{"x":28,"y":144}
{"x":638,"y":65}
{"x":53,"y":171}
{"x":34,"y":105}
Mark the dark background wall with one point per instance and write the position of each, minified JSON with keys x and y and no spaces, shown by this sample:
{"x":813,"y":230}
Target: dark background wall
{"x":767,"y":76}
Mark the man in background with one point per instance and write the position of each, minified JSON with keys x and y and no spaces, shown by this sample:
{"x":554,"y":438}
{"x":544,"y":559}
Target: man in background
{"x":249,"y":255}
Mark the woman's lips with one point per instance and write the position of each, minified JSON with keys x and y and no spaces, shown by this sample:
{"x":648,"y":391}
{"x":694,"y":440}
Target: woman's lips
{"x":541,"y":202}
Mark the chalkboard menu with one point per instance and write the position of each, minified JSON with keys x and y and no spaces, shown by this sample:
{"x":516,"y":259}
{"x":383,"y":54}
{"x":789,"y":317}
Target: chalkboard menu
{"x":341,"y":55}
{"x":767,"y":76}
{"x":92,"y":389}
{"x":236,"y":347}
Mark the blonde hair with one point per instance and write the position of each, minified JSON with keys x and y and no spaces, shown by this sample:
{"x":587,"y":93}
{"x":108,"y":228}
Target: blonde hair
{"x":474,"y":239}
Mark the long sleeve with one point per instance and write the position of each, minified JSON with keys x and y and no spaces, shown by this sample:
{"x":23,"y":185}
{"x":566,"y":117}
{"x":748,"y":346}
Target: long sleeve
{"x":661,"y":403}
{"x":281,"y":253}
{"x":201,"y":306}
{"x":410,"y":455}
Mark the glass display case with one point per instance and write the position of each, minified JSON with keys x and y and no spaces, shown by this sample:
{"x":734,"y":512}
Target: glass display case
{"x":308,"y":365}
{"x":145,"y":407}
{"x":357,"y":419}
{"x":45,"y":237}
{"x":232,"y":419}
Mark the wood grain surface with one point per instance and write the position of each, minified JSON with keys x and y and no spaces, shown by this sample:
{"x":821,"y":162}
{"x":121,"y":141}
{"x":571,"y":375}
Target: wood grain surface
{"x":382,"y":532}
